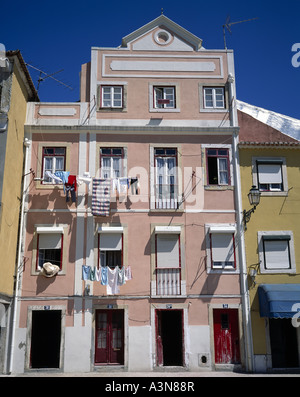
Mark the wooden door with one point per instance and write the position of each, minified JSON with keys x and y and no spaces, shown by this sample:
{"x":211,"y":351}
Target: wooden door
{"x":109,"y":346}
{"x":226,"y":336}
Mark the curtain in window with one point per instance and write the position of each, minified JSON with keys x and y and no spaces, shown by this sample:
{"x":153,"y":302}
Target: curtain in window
{"x":59,"y":163}
{"x":116,"y":167}
{"x":223,"y":172}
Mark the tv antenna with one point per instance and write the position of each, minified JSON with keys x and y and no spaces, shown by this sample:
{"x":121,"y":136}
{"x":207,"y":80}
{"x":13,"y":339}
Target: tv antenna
{"x":228,"y":24}
{"x":46,"y":76}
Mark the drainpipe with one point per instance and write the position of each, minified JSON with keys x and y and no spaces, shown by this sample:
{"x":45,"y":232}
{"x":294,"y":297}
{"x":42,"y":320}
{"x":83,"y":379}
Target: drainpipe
{"x":18,"y":264}
{"x":242,"y":255}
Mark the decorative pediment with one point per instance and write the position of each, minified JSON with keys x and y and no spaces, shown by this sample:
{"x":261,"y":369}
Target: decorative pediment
{"x":162,"y":34}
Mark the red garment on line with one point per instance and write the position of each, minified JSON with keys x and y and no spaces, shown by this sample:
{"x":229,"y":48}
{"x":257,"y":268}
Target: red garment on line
{"x":71,"y":181}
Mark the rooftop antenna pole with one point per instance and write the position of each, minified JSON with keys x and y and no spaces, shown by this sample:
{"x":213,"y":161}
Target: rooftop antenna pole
{"x":48,"y":75}
{"x":44,"y":78}
{"x":228,"y":24}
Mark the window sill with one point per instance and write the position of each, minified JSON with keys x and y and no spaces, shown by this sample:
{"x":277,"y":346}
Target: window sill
{"x":169,"y":296}
{"x":159,"y":210}
{"x":110,"y":110}
{"x":37,"y":273}
{"x":278,"y":271}
{"x":49,"y":186}
{"x":222,"y":271}
{"x":214,"y":110}
{"x":177,"y":110}
{"x":274,"y":194}
{"x":218,"y":187}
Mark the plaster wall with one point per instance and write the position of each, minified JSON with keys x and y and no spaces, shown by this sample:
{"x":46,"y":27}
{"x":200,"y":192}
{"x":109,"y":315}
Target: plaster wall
{"x":274,"y":213}
{"x":12,"y":183}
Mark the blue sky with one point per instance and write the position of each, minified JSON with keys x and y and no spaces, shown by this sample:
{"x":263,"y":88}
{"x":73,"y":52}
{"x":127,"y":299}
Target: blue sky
{"x":57,"y":36}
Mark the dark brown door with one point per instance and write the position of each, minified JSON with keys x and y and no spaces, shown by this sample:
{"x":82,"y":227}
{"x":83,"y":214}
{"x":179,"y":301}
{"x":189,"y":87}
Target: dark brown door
{"x":109,"y":347}
{"x":226,"y":336}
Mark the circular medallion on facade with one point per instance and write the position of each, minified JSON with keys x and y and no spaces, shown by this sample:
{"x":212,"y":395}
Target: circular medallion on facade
{"x":162,"y":37}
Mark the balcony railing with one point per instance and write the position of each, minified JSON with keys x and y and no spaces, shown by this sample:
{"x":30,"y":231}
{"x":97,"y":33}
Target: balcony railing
{"x":168,"y":281}
{"x":166,"y":196}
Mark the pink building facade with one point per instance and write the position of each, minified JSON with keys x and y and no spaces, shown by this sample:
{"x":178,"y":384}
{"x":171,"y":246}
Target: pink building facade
{"x":131,"y":256}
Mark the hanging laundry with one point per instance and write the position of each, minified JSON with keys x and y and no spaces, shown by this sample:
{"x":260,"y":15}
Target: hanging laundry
{"x":116,"y":185}
{"x":104,"y":278}
{"x":63,"y":175}
{"x":55,"y":178}
{"x":112,"y":281}
{"x":70,"y":190}
{"x":124,"y":185}
{"x":86,"y":272}
{"x":121,"y":276}
{"x":93,"y":274}
{"x":85,"y":178}
{"x":101,"y":197}
{"x":72,"y":181}
{"x":134,"y":183}
{"x":128,"y":273}
{"x":98,"y":274}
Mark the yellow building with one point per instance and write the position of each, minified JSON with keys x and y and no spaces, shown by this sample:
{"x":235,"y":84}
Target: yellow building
{"x":16,"y":89}
{"x":270,"y":161}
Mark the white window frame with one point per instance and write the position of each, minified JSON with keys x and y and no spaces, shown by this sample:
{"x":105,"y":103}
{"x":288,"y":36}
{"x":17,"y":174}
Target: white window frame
{"x":227,"y":229}
{"x":166,"y":95}
{"x":270,"y":160}
{"x":112,"y":96}
{"x":283,"y":235}
{"x":152,"y":97}
{"x":214,"y":97}
{"x":202,"y":100}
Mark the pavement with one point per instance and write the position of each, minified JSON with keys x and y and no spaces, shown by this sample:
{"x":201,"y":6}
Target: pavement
{"x":153,"y":374}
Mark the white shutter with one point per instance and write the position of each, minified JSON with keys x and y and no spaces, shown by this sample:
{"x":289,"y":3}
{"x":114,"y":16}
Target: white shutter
{"x":277,"y":254}
{"x":269,"y":173}
{"x":222,"y":247}
{"x":49,"y":241}
{"x":167,"y":251}
{"x":111,"y":242}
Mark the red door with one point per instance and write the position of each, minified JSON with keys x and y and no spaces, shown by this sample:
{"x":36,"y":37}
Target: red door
{"x":226,"y":336}
{"x":109,"y":347}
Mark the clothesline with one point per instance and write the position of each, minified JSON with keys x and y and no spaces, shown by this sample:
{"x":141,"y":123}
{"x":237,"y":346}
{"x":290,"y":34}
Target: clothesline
{"x":101,"y":190}
{"x":63,"y":177}
{"x":119,"y":184}
{"x":111,"y":278}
